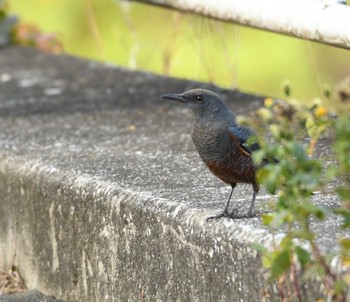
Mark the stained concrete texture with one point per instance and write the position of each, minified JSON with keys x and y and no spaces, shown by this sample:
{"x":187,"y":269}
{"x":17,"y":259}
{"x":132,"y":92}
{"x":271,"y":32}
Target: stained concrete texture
{"x":28,"y":296}
{"x":104,"y":197}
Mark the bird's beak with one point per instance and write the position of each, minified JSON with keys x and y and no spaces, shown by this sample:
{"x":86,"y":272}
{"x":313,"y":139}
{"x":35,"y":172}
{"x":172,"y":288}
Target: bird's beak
{"x":174,"y":97}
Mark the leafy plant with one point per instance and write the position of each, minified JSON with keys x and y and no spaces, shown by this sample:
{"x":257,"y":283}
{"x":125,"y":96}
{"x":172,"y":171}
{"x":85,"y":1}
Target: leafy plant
{"x":7,"y":22}
{"x":295,"y":174}
{"x":14,"y":32}
{"x":31,"y":36}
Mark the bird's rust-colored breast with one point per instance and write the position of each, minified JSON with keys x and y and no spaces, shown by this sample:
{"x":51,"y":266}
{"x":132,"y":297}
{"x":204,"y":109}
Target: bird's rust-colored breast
{"x":240,"y":170}
{"x":223,"y":154}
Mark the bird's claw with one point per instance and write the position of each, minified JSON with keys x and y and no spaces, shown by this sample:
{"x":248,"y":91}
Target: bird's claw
{"x":231,"y":215}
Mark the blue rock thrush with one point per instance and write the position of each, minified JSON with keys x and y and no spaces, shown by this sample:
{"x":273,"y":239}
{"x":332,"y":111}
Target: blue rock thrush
{"x":220,"y":142}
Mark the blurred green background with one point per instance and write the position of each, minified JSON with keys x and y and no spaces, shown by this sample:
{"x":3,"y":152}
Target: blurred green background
{"x":151,"y":38}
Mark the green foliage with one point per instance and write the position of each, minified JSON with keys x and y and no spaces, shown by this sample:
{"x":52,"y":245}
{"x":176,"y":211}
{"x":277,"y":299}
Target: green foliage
{"x":14,"y":32}
{"x":2,"y":10}
{"x":294,"y":173}
{"x":280,"y":263}
{"x":187,"y":45}
{"x":7,"y":22}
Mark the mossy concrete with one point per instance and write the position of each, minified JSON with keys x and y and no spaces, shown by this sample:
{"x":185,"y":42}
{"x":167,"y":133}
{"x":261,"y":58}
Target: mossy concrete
{"x":103,"y":195}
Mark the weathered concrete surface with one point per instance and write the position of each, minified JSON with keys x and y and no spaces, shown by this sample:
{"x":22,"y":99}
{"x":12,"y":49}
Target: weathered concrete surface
{"x":28,"y":296}
{"x":104,"y":194}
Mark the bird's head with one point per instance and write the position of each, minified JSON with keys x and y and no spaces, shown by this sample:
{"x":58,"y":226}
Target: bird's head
{"x":204,"y":103}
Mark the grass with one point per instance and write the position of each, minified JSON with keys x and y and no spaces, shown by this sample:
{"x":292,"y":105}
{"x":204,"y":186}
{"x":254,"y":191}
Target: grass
{"x":188,"y":46}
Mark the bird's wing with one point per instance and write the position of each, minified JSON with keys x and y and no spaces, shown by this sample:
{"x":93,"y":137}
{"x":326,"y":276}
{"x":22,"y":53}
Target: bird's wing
{"x":240,"y":137}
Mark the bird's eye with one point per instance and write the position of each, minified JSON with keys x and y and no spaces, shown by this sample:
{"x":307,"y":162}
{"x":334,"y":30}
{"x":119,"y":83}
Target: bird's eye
{"x":199,"y":98}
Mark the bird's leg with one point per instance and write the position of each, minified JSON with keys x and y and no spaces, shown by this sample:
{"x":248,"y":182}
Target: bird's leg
{"x":225,"y":212}
{"x":251,"y":209}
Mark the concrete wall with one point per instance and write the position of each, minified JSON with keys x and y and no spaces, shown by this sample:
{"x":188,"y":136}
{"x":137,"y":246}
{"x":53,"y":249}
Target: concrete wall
{"x":104,"y":195}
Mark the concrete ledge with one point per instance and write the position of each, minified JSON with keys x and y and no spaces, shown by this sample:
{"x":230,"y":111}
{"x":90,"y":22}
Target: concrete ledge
{"x":28,"y":296}
{"x":88,"y":239}
{"x":106,"y":197}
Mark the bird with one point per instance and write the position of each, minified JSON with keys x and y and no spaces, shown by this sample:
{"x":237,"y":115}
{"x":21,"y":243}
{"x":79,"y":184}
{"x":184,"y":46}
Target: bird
{"x":224,"y":146}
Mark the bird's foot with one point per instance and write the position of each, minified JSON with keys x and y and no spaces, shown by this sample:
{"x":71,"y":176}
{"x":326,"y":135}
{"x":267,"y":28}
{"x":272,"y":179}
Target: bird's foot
{"x":231,"y":215}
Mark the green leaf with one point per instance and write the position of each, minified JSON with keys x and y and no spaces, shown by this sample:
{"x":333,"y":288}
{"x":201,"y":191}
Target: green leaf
{"x":282,"y":217}
{"x":266,"y":261}
{"x":280,"y":263}
{"x":345,"y":243}
{"x":271,"y":187}
{"x":320,"y":213}
{"x":303,"y":255}
{"x":344,"y":194}
{"x":276,"y":131}
{"x":299,"y":152}
{"x":301,"y":234}
{"x":346,"y":215}
{"x":259,"y":156}
{"x":339,"y":286}
{"x":260,"y":248}
{"x":267,"y":218}
{"x":308,"y":209}
{"x":267,"y":176}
